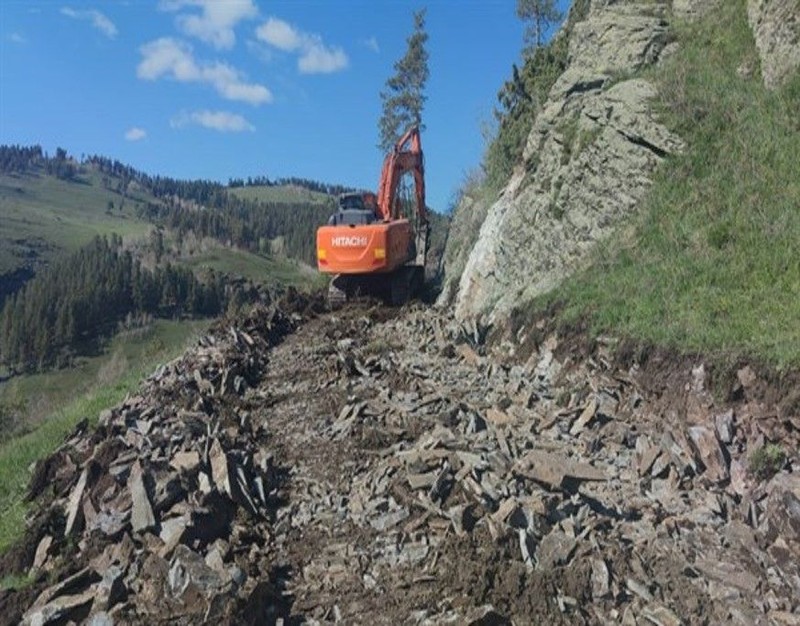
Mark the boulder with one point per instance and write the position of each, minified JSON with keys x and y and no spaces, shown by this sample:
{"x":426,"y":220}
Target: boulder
{"x":776,"y":28}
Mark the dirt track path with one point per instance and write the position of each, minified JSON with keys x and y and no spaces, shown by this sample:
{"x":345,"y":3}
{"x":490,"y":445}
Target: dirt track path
{"x":312,"y":378}
{"x":426,"y":483}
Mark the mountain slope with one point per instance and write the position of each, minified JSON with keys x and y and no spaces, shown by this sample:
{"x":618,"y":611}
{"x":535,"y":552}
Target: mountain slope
{"x":662,"y":164}
{"x":55,"y":205}
{"x":44,"y":216}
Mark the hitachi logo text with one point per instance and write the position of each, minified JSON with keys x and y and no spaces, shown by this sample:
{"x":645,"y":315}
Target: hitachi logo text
{"x":349,"y":242}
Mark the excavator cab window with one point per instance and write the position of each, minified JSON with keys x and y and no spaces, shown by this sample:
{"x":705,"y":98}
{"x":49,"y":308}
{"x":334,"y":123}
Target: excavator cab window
{"x":352,"y":212}
{"x":353,"y":217}
{"x":351,"y":201}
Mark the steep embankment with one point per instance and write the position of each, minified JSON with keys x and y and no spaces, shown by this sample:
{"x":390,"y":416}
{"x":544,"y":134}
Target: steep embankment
{"x":662,"y":164}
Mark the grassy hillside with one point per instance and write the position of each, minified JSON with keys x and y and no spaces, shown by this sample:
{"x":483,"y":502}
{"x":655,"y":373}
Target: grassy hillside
{"x":44,"y":215}
{"x":44,"y":394}
{"x":254,"y":267}
{"x":712,"y":264}
{"x":60,"y":399}
{"x":282,"y":193}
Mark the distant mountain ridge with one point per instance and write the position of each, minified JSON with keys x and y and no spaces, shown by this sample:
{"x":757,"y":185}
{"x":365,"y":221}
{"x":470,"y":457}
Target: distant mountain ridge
{"x":58,"y":203}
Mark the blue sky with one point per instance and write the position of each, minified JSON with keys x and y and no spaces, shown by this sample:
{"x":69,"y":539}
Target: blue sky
{"x":235,"y":88}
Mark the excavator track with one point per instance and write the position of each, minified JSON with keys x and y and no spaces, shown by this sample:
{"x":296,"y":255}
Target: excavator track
{"x":345,"y":288}
{"x":395,"y":289}
{"x":405,"y":284}
{"x":399,"y":289}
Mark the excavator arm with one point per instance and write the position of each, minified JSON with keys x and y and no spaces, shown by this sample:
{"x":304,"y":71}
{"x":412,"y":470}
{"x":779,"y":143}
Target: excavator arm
{"x":405,"y":157}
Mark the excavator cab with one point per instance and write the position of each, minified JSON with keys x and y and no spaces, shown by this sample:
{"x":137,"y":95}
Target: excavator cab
{"x":353,"y":211}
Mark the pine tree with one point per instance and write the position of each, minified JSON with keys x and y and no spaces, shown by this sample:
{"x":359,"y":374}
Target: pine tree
{"x":539,"y":14}
{"x":404,"y":96}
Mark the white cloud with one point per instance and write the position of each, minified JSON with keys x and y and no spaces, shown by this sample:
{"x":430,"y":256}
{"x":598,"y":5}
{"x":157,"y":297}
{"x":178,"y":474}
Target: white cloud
{"x":315,"y":57}
{"x":216,"y":21}
{"x":262,"y":52}
{"x":372,"y":44}
{"x":280,"y":34}
{"x":98,"y":20}
{"x":135,"y":134}
{"x":170,"y":58}
{"x":319,"y":59}
{"x":222,"y":121}
{"x":17,"y":39}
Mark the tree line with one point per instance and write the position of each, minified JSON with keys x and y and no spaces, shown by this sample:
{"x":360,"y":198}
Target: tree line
{"x":64,"y":309}
{"x":23,"y":159}
{"x":218,"y":214}
{"x":203,"y":206}
{"x":205,"y":192}
{"x":250,"y":225}
{"x":304,"y":183}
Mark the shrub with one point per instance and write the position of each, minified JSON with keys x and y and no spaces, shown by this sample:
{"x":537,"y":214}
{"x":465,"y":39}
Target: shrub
{"x":767,"y":461}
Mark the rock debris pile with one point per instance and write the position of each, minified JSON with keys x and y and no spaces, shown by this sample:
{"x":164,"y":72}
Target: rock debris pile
{"x":378,"y":467}
{"x":446,"y":486}
{"x":162,"y":513}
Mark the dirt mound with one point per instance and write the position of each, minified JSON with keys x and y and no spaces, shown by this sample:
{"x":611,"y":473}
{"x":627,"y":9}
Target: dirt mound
{"x":368,"y":466}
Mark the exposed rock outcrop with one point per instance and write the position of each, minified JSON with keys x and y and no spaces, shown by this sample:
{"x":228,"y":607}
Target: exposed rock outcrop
{"x":776,"y":27}
{"x":591,"y":153}
{"x":469,"y":214}
{"x":587,"y":165}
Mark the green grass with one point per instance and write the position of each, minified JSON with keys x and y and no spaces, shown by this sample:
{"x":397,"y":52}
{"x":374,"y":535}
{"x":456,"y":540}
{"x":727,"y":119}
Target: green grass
{"x":16,"y":582}
{"x":46,"y":393}
{"x":282,"y":193}
{"x":712,"y":264}
{"x":100,"y":383}
{"x":49,"y":215}
{"x":767,"y":461}
{"x":255,"y":267}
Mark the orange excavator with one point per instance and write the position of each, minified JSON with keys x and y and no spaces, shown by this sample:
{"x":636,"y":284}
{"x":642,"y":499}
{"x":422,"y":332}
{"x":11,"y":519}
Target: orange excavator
{"x":376,"y":245}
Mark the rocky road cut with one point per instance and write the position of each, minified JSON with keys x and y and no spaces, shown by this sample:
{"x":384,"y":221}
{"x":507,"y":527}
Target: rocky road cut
{"x":377,"y":466}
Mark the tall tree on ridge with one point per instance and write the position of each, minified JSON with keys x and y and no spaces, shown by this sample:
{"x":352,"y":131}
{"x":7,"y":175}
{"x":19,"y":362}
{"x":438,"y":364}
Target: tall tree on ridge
{"x":539,"y":14}
{"x":404,"y":96}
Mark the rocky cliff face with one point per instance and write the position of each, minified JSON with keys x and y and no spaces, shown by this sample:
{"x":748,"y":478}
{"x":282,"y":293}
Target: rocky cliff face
{"x":590,"y":155}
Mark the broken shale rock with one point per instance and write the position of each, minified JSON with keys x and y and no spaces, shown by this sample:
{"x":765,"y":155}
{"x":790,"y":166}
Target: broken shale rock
{"x":395,"y":492}
{"x":137,"y":517}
